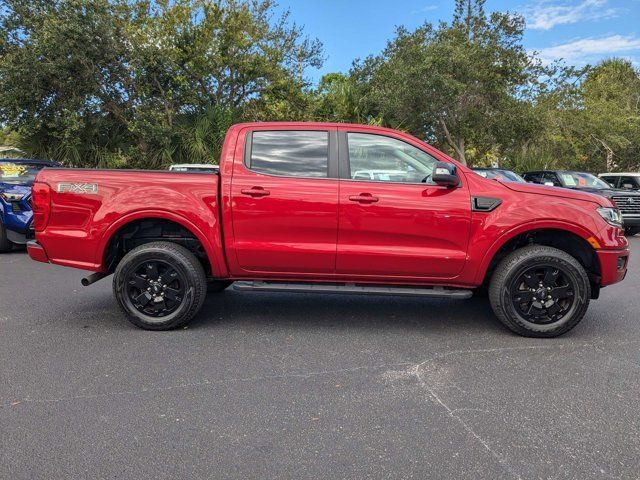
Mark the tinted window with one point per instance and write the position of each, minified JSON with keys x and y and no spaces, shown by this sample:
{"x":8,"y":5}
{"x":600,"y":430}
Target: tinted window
{"x":610,"y":180}
{"x":290,"y":153}
{"x":532,"y":177}
{"x":385,"y":159}
{"x":551,"y":178}
{"x":629,"y":182}
{"x":502,"y":175}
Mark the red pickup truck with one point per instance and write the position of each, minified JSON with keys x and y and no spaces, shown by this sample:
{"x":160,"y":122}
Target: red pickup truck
{"x":330,"y":208}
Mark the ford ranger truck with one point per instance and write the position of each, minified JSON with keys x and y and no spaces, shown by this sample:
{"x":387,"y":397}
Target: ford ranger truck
{"x":287,"y":212}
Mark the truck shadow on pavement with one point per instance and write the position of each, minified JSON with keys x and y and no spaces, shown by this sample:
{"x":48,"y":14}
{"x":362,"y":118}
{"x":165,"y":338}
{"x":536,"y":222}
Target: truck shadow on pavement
{"x":301,"y":311}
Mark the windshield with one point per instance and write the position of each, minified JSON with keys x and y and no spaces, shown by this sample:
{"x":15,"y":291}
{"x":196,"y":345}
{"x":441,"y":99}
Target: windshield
{"x":582,"y":180}
{"x":503,"y":175}
{"x":15,"y":172}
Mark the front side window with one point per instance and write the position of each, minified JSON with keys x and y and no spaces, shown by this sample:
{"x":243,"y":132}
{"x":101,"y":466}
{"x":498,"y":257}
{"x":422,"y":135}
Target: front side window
{"x":630,"y":183}
{"x":551,"y":178}
{"x":290,"y":153}
{"x":384,"y":159}
{"x":534,"y":177}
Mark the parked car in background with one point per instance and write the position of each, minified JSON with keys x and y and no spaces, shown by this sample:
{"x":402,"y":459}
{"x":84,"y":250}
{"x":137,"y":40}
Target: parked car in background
{"x":286,"y":213}
{"x":626,"y":181}
{"x":195,"y":168}
{"x":16,"y":178}
{"x":499,"y":174}
{"x":627,"y":201}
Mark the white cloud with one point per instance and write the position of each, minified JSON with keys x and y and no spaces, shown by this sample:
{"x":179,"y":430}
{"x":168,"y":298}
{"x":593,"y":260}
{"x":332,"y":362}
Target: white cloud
{"x":544,"y":15}
{"x":426,"y":8}
{"x":590,"y":50}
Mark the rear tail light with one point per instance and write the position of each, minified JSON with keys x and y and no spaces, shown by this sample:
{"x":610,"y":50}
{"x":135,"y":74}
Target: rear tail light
{"x":41,"y":199}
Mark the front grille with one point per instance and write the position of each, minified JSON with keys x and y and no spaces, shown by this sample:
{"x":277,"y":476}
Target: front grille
{"x":628,"y":205}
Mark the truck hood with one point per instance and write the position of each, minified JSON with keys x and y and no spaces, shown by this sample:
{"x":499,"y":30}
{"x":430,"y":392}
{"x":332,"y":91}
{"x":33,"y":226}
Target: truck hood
{"x":607,"y":192}
{"x":560,"y":192}
{"x":24,"y":189}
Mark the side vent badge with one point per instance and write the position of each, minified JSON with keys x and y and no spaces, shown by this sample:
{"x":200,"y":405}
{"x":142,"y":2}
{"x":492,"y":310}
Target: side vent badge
{"x":484,"y":204}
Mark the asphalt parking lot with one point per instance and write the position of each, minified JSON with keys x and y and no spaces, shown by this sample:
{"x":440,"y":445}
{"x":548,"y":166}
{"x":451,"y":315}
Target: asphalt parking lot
{"x":302,"y":386}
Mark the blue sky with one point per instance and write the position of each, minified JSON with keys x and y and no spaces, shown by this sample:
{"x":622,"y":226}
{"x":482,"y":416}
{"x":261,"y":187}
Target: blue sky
{"x":580,"y":31}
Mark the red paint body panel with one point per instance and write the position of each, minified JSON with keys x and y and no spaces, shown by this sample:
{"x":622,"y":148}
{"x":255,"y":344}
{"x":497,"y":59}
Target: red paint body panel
{"x":36,"y":252}
{"x":292,"y":230}
{"x":80,"y":225}
{"x":309,"y":229}
{"x":411,"y":231}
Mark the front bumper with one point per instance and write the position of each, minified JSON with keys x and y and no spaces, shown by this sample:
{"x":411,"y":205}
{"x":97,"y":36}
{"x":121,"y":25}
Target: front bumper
{"x":19,"y":237}
{"x":37,"y":252}
{"x":631,"y":220}
{"x":613,"y":265}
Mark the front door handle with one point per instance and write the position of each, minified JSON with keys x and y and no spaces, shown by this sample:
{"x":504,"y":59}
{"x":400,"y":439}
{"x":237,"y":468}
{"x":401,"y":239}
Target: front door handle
{"x":363,"y":198}
{"x":255,"y":192}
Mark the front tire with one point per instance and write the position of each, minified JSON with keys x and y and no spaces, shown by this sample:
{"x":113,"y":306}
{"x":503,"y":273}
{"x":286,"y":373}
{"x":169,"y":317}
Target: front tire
{"x":5,"y":244}
{"x":539,"y":291}
{"x":631,"y":231}
{"x":160,"y":285}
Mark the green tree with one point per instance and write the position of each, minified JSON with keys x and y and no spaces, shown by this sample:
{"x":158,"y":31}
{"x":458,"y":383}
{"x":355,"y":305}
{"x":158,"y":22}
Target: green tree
{"x":611,"y":119}
{"x":590,"y":121}
{"x":142,"y":82}
{"x":463,"y":84}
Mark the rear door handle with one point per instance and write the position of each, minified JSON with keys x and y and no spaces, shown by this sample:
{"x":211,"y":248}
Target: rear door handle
{"x":255,"y":192}
{"x":363,"y":198}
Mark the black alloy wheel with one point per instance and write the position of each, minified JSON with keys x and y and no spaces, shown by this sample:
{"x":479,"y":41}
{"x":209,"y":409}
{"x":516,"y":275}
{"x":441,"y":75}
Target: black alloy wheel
{"x":155,"y":288}
{"x":542,"y":294}
{"x":539,"y":291}
{"x":160,"y":285}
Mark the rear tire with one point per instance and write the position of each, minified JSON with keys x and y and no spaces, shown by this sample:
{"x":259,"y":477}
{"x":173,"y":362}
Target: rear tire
{"x":160,"y":285}
{"x":5,"y":244}
{"x":631,"y":231}
{"x":539,"y":291}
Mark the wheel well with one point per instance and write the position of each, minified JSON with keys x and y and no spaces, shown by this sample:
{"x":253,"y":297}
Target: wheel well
{"x":568,"y":242}
{"x":146,"y":230}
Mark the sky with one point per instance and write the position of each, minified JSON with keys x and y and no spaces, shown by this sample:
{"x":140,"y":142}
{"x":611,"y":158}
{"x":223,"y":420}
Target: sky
{"x":579,"y":31}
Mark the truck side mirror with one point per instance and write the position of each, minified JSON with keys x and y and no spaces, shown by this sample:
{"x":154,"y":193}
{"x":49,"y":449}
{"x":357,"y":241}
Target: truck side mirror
{"x":628,"y":186}
{"x":445,"y":175}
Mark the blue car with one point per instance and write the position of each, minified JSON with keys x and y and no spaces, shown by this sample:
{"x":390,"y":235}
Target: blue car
{"x":16,"y":178}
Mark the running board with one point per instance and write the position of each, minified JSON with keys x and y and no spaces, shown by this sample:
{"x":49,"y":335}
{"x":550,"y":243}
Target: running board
{"x":351,"y":288}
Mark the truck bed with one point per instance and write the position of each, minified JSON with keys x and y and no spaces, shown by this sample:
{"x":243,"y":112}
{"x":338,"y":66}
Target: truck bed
{"x":88,"y":206}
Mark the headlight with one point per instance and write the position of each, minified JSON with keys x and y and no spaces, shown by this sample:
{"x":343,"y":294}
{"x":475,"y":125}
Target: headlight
{"x":12,"y":197}
{"x":611,"y":215}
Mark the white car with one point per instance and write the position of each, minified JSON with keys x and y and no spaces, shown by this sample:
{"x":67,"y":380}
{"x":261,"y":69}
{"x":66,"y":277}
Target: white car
{"x":626,"y":180}
{"x":195,"y":168}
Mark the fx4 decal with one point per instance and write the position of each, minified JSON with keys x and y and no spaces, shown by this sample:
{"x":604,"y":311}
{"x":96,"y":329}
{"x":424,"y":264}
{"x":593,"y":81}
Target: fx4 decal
{"x":81,"y":188}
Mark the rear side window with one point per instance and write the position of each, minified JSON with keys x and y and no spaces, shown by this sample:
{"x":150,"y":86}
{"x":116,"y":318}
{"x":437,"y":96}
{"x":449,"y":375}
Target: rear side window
{"x":290,"y":153}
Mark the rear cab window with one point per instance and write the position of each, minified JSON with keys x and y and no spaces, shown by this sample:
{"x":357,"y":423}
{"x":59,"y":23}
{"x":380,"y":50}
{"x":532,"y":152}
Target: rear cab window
{"x":289,"y":153}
